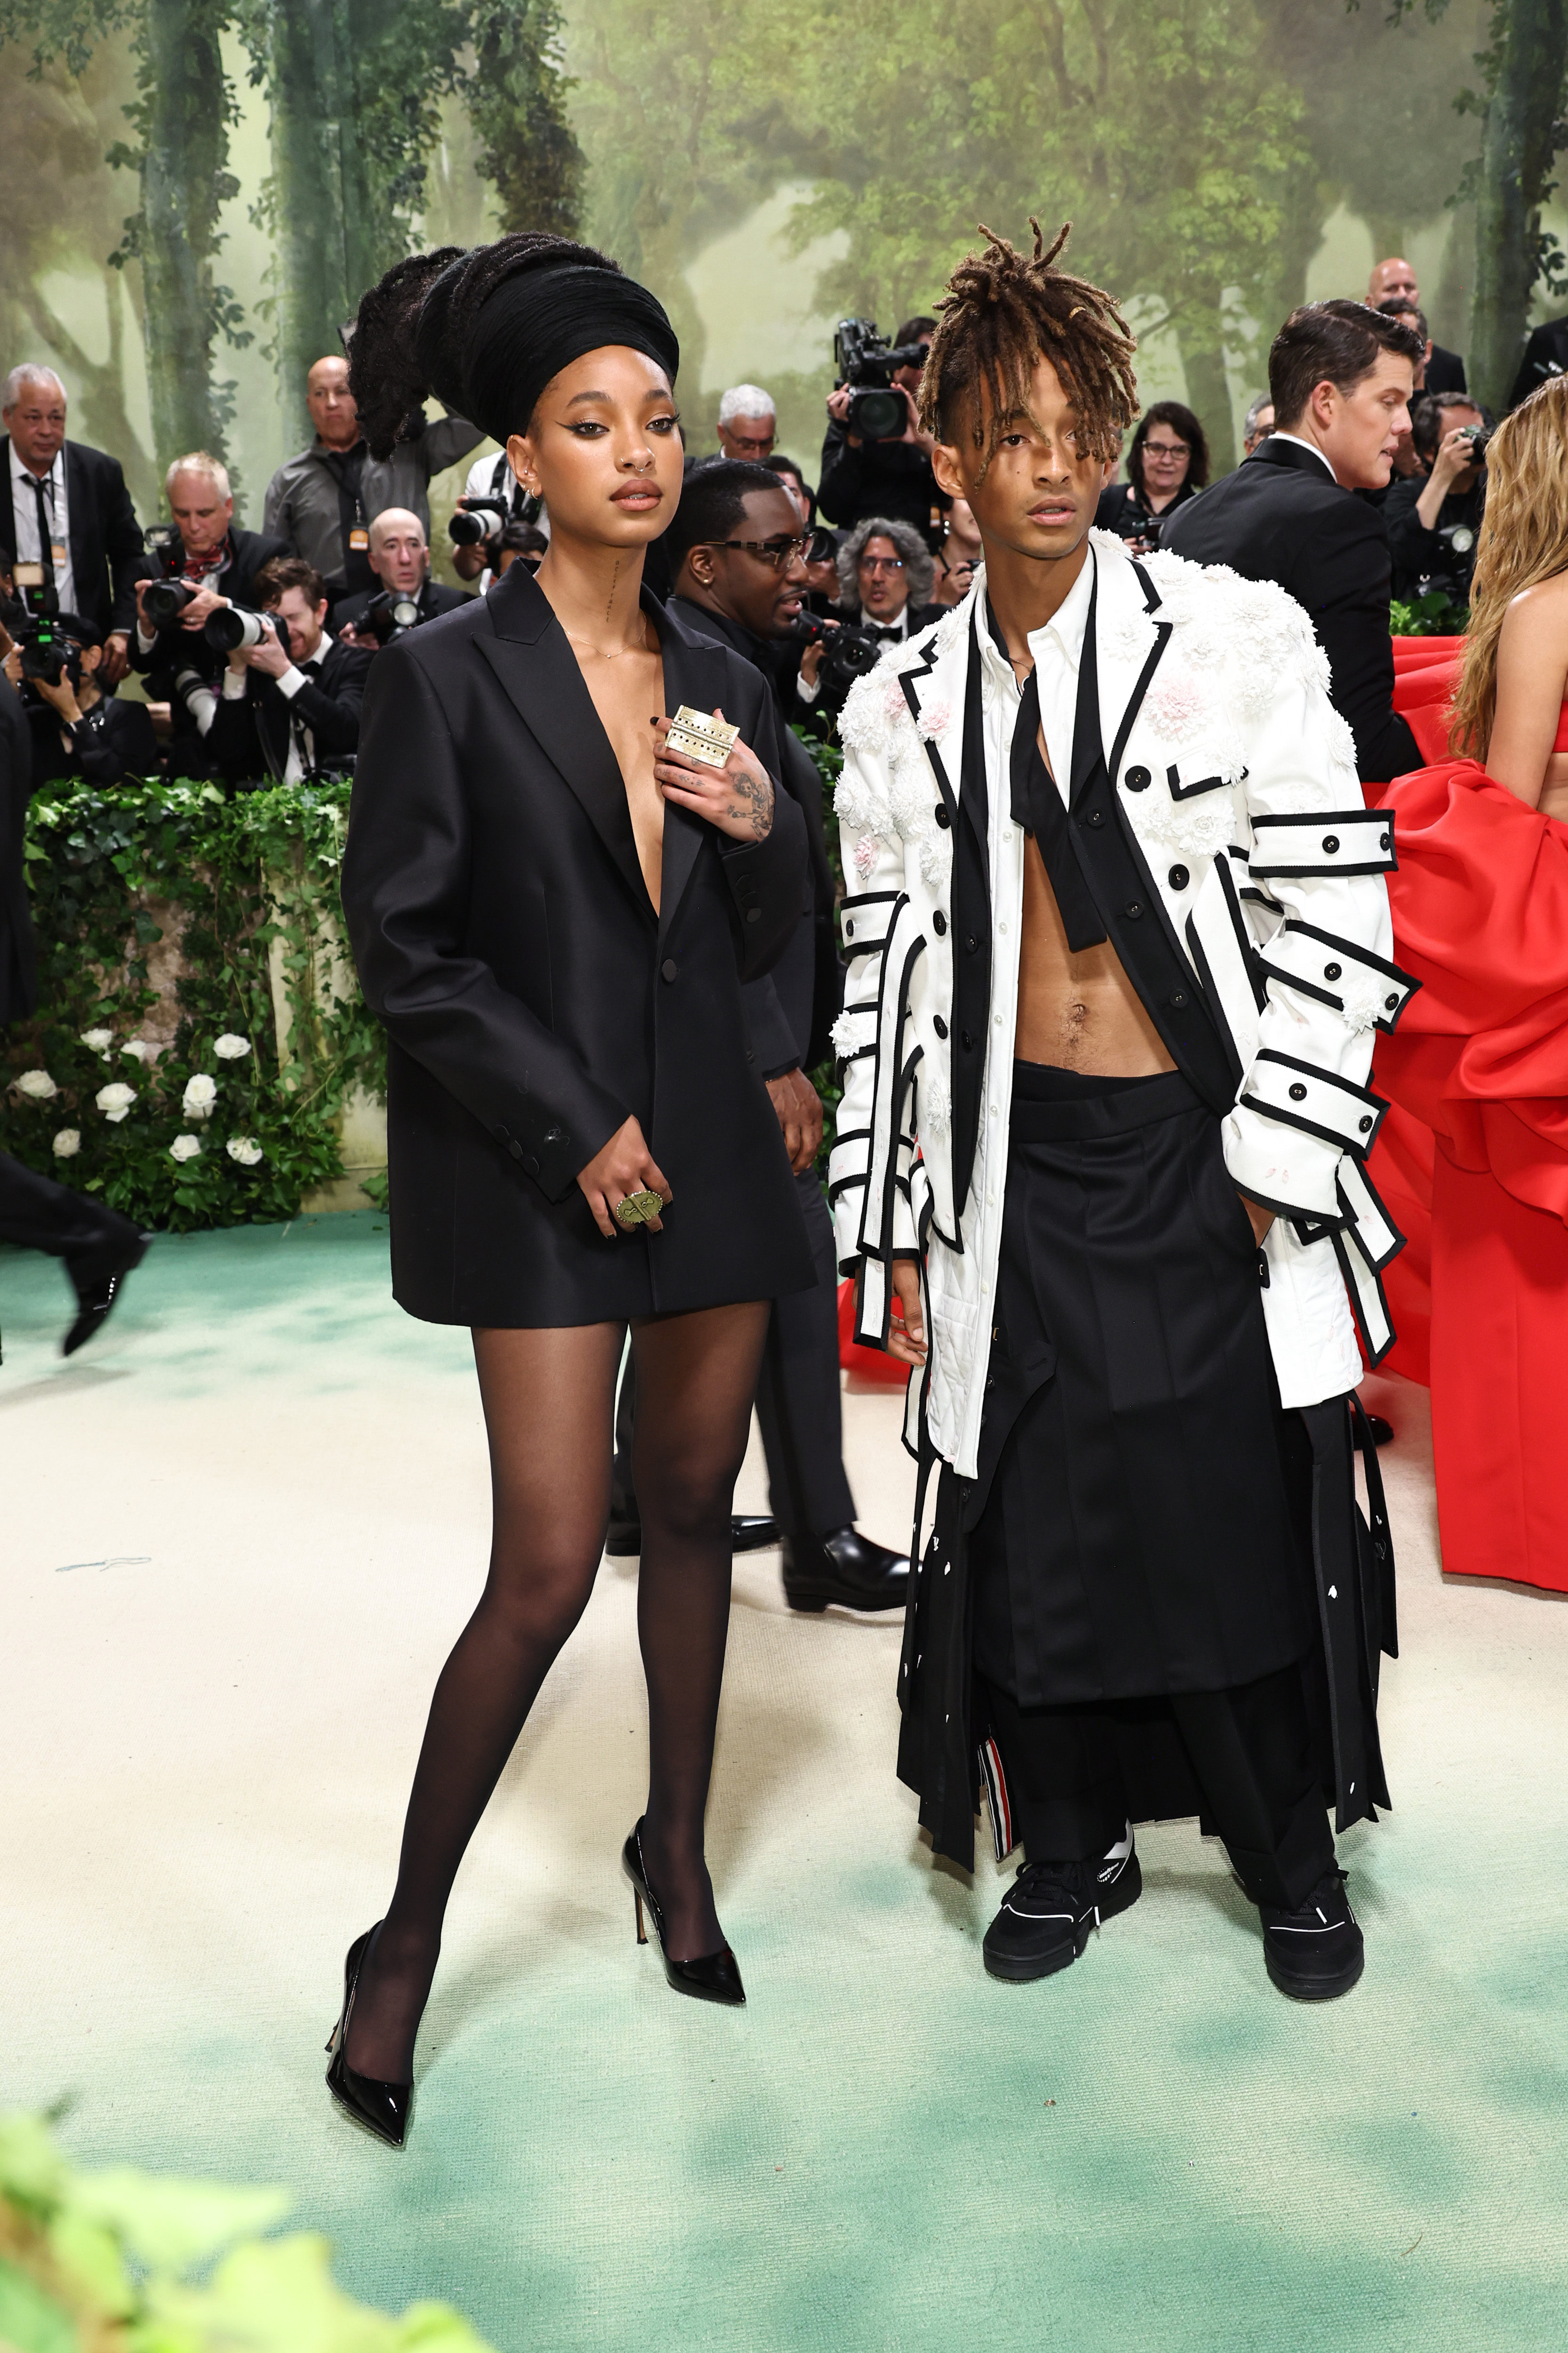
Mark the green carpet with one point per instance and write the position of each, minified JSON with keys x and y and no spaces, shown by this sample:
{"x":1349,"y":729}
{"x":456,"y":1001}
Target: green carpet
{"x":207,"y":1749}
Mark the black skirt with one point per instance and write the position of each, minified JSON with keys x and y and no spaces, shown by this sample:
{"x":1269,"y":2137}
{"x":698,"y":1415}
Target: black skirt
{"x":1141,"y":1521}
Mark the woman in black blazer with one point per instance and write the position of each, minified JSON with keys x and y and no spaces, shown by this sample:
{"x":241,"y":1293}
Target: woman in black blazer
{"x":553,"y":912}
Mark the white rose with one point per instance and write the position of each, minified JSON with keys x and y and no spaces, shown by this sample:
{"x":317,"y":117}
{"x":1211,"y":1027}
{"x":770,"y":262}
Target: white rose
{"x":230,"y":1049}
{"x":245,"y":1149}
{"x":36,"y":1084}
{"x":115,"y":1101}
{"x":68,"y":1143}
{"x":184,"y":1147}
{"x":99,"y":1040}
{"x":201,"y":1093}
{"x":139,"y":1049}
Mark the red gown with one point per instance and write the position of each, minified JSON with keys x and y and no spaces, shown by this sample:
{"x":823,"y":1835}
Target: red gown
{"x":1473,"y":1162}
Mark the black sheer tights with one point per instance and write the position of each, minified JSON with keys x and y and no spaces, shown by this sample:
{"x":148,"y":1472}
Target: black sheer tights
{"x":548,"y":1402}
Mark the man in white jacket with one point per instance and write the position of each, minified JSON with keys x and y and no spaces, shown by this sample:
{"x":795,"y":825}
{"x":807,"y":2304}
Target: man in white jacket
{"x":1117,"y":942}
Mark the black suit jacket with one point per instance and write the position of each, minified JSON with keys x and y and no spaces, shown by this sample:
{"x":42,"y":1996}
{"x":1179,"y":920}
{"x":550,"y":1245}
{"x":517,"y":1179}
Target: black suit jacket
{"x":118,"y":742}
{"x":248,"y":740}
{"x":791,"y":1010}
{"x":434,"y":598}
{"x":177,"y":649}
{"x":535,"y":1000}
{"x":105,"y":536}
{"x":1282,"y":516}
{"x":1445,"y":371}
{"x":1545,"y":355}
{"x":18,"y":963}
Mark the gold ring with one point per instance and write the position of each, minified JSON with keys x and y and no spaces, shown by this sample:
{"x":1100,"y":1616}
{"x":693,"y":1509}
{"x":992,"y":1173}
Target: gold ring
{"x":637,"y":1209}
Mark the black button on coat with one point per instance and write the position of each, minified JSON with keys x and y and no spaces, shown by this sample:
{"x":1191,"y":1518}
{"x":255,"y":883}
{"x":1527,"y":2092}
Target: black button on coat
{"x":504,"y":934}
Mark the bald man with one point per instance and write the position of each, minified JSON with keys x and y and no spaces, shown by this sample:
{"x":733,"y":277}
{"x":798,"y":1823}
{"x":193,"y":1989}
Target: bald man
{"x":323,"y":502}
{"x":1395,"y":278}
{"x":399,"y":559}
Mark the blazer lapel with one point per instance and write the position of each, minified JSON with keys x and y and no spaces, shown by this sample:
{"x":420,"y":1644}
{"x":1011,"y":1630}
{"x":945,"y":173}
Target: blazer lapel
{"x":693,"y":674}
{"x":531,"y":657}
{"x":1122,"y":586}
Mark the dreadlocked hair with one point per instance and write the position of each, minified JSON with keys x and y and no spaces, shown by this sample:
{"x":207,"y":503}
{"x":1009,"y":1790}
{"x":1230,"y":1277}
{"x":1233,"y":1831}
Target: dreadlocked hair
{"x":1003,"y":312}
{"x":399,"y":354}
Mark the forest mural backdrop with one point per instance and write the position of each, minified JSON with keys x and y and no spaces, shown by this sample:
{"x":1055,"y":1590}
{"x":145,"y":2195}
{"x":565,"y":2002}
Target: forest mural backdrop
{"x":195,"y":192}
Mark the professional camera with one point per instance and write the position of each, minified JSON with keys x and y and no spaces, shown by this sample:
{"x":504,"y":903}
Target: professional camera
{"x":1137,"y":527}
{"x":1480,"y":437}
{"x":877,"y":409}
{"x":232,"y":627}
{"x":467,"y":526}
{"x":32,"y":618}
{"x":391,"y":615}
{"x":847,"y":653}
{"x":166,"y":599}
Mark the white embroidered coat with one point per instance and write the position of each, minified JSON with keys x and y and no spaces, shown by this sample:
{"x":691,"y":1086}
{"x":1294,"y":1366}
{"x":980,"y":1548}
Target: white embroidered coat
{"x":1238,"y":780}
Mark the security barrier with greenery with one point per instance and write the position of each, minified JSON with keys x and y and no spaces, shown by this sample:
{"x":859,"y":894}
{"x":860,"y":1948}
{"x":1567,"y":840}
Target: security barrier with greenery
{"x":200,"y":1034}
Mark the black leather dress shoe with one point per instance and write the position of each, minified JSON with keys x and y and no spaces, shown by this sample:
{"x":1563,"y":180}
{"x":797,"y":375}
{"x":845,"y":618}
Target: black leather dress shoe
{"x":845,"y":1568}
{"x":97,"y":1286}
{"x":749,"y":1532}
{"x":1316,"y":1952}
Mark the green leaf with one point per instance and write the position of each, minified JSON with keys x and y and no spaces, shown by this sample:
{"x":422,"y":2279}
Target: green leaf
{"x":29,"y":2321}
{"x":32,"y":2171}
{"x":90,"y":2259}
{"x":168,"y":2224}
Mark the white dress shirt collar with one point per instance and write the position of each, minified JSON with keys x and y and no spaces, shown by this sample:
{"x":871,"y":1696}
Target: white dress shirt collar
{"x":1296,"y":441}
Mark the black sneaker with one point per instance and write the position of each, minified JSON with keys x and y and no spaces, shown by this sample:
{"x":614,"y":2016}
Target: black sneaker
{"x":1045,"y":1921}
{"x":1317,"y":1952}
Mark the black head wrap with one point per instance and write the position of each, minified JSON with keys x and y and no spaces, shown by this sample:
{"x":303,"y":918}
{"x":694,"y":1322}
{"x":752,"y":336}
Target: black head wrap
{"x":486,"y":331}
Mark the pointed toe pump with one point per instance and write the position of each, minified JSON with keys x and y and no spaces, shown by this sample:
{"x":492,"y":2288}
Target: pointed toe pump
{"x":382,"y":2108}
{"x":713,"y":1977}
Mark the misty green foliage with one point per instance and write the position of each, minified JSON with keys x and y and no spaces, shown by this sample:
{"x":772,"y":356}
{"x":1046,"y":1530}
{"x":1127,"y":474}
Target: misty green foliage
{"x":119,"y":2261}
{"x":1434,"y":615}
{"x":517,"y":101}
{"x":241,"y":886}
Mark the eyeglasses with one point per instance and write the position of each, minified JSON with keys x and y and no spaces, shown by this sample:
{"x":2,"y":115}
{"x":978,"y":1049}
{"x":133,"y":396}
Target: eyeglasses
{"x":1167,"y":449}
{"x":776,"y":552}
{"x":882,"y":563}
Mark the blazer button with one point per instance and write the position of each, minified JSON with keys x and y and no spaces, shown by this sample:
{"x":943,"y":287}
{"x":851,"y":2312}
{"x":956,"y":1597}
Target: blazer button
{"x":1389,"y":1002}
{"x":1330,"y":843}
{"x":968,"y":1043}
{"x":1178,"y":878}
{"x":753,"y":915}
{"x":1298,"y":1092}
{"x":942,"y":816}
{"x":668,"y":968}
{"x":1135,"y":908}
{"x":972,"y":944}
{"x":1332,"y":971}
{"x":1179,"y":998}
{"x":555,"y":1135}
{"x":848,"y":931}
{"x":1365,"y":1124}
{"x":1383,"y":841}
{"x":1137,"y":780}
{"x":939,"y":923}
{"x":940,"y":1026}
{"x":1095,"y":817}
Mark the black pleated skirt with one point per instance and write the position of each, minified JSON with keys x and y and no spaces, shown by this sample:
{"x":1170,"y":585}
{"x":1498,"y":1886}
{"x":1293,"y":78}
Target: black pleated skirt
{"x":1141,"y":1521}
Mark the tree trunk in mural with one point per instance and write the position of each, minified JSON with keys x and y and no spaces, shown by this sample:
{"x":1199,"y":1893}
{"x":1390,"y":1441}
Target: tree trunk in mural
{"x":516,"y":99}
{"x":1516,"y":162}
{"x":322,"y":198}
{"x":1201,"y":338}
{"x":183,"y":118}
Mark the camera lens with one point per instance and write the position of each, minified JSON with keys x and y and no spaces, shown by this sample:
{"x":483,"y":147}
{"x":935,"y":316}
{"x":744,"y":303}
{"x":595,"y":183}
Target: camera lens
{"x":230,"y":628}
{"x":165,"y":600}
{"x":878,"y":415}
{"x":466,"y":530}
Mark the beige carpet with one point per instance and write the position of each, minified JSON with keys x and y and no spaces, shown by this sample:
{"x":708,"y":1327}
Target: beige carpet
{"x":241,"y":1532}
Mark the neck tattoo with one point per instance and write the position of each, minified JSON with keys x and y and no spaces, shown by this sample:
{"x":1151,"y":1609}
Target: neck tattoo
{"x":614,"y":582}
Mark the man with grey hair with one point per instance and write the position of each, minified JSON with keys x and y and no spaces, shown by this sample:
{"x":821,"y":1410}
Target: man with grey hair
{"x":1257,"y":424}
{"x":748,"y":424}
{"x":885,"y":574}
{"x":215,"y":563}
{"x":68,"y":510}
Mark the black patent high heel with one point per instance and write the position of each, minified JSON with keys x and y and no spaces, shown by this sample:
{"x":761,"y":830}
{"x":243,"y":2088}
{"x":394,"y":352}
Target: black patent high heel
{"x":382,"y":2108}
{"x":713,"y":1977}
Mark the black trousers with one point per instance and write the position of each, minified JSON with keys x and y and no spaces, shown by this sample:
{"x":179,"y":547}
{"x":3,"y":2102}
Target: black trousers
{"x":799,"y":1407}
{"x":1243,"y":1760}
{"x":37,"y":1214}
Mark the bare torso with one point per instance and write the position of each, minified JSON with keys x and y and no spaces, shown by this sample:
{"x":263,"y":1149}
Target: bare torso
{"x":1076,"y":1010}
{"x":627,"y":690}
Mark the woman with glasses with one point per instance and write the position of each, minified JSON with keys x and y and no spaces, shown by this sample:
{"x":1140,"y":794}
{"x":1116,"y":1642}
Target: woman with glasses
{"x":1167,"y":464}
{"x":885,"y":574}
{"x":552,"y":908}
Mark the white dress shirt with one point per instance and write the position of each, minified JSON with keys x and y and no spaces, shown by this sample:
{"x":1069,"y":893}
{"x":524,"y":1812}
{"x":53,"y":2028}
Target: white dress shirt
{"x":1057,"y":649}
{"x":301,"y":743}
{"x":24,"y":515}
{"x":1295,"y":438}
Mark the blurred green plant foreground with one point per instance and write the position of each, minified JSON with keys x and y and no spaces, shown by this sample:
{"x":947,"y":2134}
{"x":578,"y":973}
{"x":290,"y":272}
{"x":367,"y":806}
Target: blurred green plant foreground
{"x":122,"y":2262}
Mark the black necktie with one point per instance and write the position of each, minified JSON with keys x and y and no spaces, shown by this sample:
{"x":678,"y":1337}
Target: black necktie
{"x":46,"y":531}
{"x":1037,"y":808}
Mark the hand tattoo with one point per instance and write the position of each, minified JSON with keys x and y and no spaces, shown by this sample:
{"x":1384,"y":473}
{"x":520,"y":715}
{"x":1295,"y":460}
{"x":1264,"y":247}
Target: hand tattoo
{"x":758,"y":810}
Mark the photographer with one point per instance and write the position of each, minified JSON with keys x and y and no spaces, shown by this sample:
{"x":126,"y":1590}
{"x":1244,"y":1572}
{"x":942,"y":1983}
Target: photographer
{"x":76,"y":729}
{"x":893,"y":477}
{"x":292,"y":694}
{"x":885,"y":574}
{"x":957,"y":556}
{"x":400,"y":559}
{"x":202,"y":563}
{"x":1167,"y":465}
{"x":492,"y":481}
{"x":320,"y":503}
{"x":69,"y":509}
{"x":1434,"y":517}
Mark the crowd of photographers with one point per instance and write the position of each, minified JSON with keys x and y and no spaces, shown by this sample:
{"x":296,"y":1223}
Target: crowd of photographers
{"x":251,"y":648}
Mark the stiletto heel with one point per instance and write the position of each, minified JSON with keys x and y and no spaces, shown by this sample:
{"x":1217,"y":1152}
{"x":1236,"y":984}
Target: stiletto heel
{"x":382,"y":2108}
{"x":712,"y":1976}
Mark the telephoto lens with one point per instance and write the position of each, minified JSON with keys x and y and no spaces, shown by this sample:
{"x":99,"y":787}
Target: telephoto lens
{"x":232,"y":627}
{"x":392,"y":615}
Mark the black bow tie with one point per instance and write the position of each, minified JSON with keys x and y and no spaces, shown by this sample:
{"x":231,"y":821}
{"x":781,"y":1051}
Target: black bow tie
{"x":880,"y":629}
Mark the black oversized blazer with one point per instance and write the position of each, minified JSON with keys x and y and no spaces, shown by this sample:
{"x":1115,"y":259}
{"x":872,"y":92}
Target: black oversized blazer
{"x":532,"y":999}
